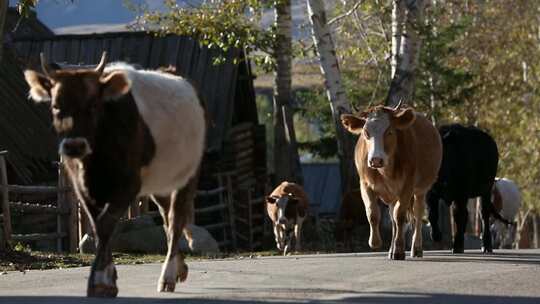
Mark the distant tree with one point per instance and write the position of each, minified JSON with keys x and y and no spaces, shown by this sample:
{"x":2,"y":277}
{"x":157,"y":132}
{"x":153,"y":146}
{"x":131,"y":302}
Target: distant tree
{"x":228,"y":24}
{"x":405,"y":53}
{"x":322,"y":38}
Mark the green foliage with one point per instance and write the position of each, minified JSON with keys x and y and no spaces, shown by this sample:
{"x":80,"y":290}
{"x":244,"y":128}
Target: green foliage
{"x":314,"y":125}
{"x":217,"y":24}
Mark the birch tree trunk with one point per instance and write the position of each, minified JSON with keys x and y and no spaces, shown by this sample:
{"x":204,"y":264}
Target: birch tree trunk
{"x":324,"y":44}
{"x":286,"y":158}
{"x":397,"y":30}
{"x":402,"y":85}
{"x":3,"y":16}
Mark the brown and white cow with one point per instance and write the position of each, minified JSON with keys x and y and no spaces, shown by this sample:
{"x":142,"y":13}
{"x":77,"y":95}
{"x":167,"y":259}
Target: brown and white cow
{"x":398,"y":155}
{"x":287,"y":207}
{"x":126,"y":133}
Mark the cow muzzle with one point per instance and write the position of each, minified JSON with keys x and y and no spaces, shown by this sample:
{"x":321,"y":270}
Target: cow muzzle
{"x":77,"y":147}
{"x":376,"y":162}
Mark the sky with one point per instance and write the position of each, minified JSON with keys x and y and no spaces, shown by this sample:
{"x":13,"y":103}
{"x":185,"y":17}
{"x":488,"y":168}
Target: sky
{"x":62,"y":13}
{"x":86,"y":16}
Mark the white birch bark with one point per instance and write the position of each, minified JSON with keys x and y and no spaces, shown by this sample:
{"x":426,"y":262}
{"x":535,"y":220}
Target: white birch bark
{"x":397,"y":31}
{"x":329,"y":65}
{"x":286,"y":158}
{"x":402,"y":85}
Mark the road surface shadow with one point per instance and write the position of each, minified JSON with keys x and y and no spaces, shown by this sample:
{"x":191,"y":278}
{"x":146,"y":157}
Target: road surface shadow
{"x":345,"y":297}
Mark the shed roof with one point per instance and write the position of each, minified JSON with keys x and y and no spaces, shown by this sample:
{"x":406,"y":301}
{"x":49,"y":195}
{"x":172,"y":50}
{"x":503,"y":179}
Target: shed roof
{"x":26,"y":27}
{"x":227,"y":89}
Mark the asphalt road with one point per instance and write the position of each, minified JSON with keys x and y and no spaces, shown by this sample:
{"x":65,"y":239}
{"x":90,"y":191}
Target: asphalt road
{"x":505,"y":277}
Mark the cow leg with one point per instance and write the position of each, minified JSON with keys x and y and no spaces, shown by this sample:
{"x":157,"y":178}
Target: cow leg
{"x":486,"y":233}
{"x":400,"y":214}
{"x":102,"y":280}
{"x":433,"y":216}
{"x":461,"y":216}
{"x":279,"y":235}
{"x":394,"y":228}
{"x":373,"y":214}
{"x":418,"y":211}
{"x":298,"y":234}
{"x":177,"y":213}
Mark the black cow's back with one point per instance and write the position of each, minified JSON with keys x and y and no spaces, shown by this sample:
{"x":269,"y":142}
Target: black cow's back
{"x":469,"y":165}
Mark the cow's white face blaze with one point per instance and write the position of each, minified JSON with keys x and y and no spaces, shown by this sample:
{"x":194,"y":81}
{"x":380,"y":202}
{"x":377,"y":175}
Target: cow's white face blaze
{"x":281,"y":226}
{"x":77,"y":99}
{"x":375,"y":129}
{"x":378,"y":127}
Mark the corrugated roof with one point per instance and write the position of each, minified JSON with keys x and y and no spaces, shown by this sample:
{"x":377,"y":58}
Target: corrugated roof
{"x":25,"y":128}
{"x":322,"y":183}
{"x":217,"y":83}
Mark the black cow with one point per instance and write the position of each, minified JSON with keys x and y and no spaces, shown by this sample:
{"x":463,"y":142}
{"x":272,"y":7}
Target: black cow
{"x":468,"y":170}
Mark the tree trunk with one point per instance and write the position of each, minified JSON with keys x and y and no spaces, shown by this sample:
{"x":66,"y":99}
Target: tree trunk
{"x":324,"y":44}
{"x":3,"y":16}
{"x":402,"y":85}
{"x":286,"y":159}
{"x":397,"y":30}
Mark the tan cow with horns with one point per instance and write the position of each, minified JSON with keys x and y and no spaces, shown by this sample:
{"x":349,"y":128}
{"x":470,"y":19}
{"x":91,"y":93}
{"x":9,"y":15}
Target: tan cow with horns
{"x":398,"y":155}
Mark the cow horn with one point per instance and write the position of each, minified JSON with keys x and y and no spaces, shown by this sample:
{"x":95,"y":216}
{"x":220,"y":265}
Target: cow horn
{"x":102,"y":62}
{"x":44,"y":66}
{"x":400,"y":103}
{"x":355,"y":108}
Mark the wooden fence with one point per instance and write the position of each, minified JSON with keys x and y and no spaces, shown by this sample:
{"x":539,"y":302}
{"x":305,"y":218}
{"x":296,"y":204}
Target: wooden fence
{"x":64,"y":210}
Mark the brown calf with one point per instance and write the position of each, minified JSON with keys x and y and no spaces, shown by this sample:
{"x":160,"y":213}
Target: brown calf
{"x":398,"y":155}
{"x":287,"y":208}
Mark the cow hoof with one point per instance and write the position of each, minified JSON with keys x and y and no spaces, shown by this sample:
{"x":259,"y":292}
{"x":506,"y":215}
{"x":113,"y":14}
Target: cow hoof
{"x":417,"y":253}
{"x":398,"y":256}
{"x":182,"y":273}
{"x":458,"y":250}
{"x":487,"y":250}
{"x":102,"y":291}
{"x":167,"y":287}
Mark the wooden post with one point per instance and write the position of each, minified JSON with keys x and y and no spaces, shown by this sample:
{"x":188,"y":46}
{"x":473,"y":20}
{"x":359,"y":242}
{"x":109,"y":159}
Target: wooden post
{"x":250,"y":219}
{"x":68,"y":201}
{"x":232,"y":215}
{"x":5,"y":200}
{"x":535,"y":230}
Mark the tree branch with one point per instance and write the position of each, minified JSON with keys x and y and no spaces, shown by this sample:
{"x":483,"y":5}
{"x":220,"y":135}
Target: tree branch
{"x":345,"y":15}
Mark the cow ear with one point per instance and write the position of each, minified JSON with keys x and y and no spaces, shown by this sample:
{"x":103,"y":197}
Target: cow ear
{"x":40,"y":86}
{"x":115,"y":85}
{"x":353,"y":123}
{"x":404,"y":119}
{"x":271,"y":199}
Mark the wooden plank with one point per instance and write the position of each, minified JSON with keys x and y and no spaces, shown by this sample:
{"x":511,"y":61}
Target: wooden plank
{"x":38,"y":236}
{"x":35,"y":189}
{"x":116,"y":49}
{"x":212,"y":192}
{"x":210,"y":209}
{"x":215,"y":226}
{"x":68,"y":201}
{"x":35,"y":208}
{"x":5,"y":202}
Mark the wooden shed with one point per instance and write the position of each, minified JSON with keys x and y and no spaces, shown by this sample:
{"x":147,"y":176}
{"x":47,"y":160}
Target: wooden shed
{"x":233,"y":183}
{"x":25,"y":129}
